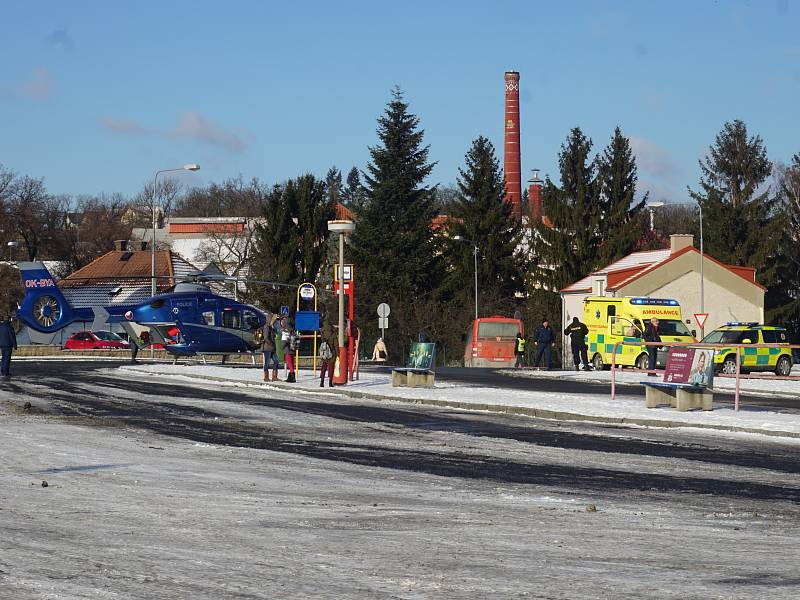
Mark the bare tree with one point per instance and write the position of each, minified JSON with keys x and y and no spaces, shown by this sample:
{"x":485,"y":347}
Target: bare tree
{"x":11,"y":290}
{"x":169,"y":194}
{"x":7,"y":177}
{"x":230,"y":251}
{"x":93,"y":227}
{"x":233,"y":198}
{"x":37,"y":217}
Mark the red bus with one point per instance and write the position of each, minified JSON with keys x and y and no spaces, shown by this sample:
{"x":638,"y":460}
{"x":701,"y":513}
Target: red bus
{"x":490,"y":342}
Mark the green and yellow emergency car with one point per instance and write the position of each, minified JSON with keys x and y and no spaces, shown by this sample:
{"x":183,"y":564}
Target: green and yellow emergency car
{"x":775,"y":359}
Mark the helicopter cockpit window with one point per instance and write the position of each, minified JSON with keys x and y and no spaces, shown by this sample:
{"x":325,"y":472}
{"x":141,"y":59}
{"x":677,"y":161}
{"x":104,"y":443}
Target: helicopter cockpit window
{"x":232,"y":318}
{"x":208,"y":318}
{"x":250,"y":320}
{"x":157,"y":303}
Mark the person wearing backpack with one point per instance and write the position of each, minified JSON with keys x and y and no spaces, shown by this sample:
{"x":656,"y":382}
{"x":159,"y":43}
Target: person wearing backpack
{"x":327,"y":355}
{"x":290,"y":342}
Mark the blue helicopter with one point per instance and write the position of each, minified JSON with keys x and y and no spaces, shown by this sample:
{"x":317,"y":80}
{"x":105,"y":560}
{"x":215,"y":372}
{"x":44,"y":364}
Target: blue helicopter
{"x":188,"y":320}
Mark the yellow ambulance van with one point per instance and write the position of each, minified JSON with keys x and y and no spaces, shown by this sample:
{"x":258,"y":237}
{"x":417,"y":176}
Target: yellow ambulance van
{"x":611,"y":320}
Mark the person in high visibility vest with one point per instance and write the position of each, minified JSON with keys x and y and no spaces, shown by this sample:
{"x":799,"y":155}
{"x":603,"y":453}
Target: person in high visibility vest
{"x":519,"y":350}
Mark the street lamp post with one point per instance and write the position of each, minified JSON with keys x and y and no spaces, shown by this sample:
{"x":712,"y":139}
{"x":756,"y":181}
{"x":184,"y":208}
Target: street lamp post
{"x":702,"y":262}
{"x":460,"y":238}
{"x":342,"y":227}
{"x":651,"y":206}
{"x":11,"y":246}
{"x":189,"y":167}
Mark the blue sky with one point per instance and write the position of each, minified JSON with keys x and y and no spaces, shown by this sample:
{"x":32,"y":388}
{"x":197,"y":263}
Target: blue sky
{"x":96,"y":96}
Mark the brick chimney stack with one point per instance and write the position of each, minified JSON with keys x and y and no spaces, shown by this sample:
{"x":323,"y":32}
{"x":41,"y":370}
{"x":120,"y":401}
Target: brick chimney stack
{"x":511,"y":151}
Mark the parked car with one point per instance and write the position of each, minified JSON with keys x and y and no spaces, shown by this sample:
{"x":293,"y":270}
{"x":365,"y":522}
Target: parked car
{"x":776,"y":359}
{"x":96,"y":340}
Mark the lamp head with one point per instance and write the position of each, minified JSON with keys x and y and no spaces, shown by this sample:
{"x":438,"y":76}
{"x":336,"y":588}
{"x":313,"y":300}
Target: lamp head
{"x":191,"y":167}
{"x":341,"y":226}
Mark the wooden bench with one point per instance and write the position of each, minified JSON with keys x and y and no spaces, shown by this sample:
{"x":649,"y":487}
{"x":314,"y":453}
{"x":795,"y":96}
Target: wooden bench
{"x":682,"y":396}
{"x":419,"y":369}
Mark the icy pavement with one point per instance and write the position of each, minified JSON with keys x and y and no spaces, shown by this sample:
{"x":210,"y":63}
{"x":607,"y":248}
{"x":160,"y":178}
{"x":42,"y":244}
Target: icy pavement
{"x":763,"y":383}
{"x":597,"y":407}
{"x":177,"y":488}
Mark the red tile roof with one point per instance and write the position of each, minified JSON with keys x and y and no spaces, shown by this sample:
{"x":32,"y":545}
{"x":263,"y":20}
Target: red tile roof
{"x":111,"y":265}
{"x":343,"y":213}
{"x":206,"y":227}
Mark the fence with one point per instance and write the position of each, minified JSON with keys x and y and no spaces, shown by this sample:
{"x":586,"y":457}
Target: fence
{"x":738,"y":348}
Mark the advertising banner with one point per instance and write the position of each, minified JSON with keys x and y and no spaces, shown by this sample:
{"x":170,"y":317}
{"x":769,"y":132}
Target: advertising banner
{"x":422,"y":356}
{"x":691,"y":366}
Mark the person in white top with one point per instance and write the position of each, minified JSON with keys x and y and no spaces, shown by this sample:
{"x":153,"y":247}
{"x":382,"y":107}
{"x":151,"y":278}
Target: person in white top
{"x":379,"y":352}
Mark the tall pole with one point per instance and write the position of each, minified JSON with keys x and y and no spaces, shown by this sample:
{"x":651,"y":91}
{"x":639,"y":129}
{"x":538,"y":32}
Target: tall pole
{"x":189,"y":167}
{"x":702,"y":278}
{"x":153,"y":241}
{"x":340,"y":277}
{"x":475,"y":257}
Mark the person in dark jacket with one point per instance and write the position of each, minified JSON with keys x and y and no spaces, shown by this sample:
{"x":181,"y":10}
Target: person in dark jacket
{"x":651,"y":334}
{"x":8,"y":343}
{"x":519,"y":350}
{"x":328,"y":350}
{"x":269,"y":350}
{"x":577,"y":333}
{"x":289,"y":343}
{"x":545,"y":338}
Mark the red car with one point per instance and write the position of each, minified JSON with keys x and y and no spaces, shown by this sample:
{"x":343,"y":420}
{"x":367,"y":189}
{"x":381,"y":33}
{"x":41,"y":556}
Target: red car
{"x":96,"y":340}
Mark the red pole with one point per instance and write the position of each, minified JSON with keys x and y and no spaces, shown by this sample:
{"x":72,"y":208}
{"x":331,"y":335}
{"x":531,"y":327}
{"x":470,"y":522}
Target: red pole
{"x":350,"y":332}
{"x":613,"y":370}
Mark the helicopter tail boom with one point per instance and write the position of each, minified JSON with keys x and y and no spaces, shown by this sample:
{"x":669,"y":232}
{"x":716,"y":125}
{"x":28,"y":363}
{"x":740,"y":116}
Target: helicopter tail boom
{"x":44,"y":308}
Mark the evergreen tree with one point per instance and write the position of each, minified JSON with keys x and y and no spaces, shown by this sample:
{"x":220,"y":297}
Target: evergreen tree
{"x":481,"y":214}
{"x":275,"y":250}
{"x":784,"y":295}
{"x":565,"y":247}
{"x":393,"y":247}
{"x":738,"y":213}
{"x":312,"y":207}
{"x":290,"y":245}
{"x":620,"y":225}
{"x":333,"y":186}
{"x":353,"y":192}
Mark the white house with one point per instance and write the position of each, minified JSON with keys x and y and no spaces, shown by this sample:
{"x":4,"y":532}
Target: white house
{"x":730,"y":292}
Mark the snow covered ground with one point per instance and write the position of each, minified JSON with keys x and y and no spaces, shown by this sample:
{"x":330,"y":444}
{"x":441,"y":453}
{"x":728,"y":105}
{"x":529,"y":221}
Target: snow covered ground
{"x":598,"y":406}
{"x":128,"y":484}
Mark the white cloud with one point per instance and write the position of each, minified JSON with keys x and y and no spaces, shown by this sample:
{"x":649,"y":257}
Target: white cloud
{"x":191,"y":125}
{"x":654,"y":159}
{"x":195,"y":126}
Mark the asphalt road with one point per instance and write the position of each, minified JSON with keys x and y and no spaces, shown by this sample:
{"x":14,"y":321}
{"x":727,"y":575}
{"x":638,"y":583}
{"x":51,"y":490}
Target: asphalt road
{"x":173,"y":490}
{"x":494,"y":378}
{"x":92,"y":389}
